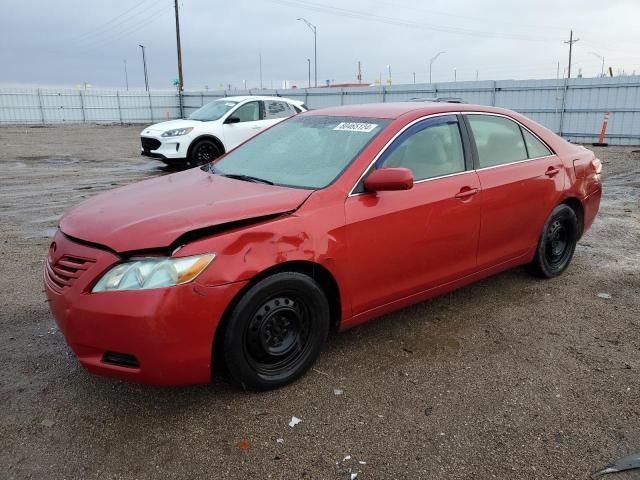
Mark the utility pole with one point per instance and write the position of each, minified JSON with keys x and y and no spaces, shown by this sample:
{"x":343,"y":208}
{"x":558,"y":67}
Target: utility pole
{"x":144,"y":64}
{"x":260,"y":64}
{"x":314,"y":29}
{"x":389,"y":81}
{"x":414,"y":78}
{"x":455,"y":74}
{"x":309,"y":72}
{"x":126,"y":76}
{"x":570,"y":42}
{"x":180,"y":77}
{"x":359,"y":72}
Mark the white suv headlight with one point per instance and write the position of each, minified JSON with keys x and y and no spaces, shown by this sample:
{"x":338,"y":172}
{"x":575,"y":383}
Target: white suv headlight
{"x":176,"y":132}
{"x":153,"y":272}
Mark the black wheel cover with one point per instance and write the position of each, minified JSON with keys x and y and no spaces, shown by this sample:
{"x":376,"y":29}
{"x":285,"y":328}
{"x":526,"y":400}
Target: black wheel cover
{"x":205,"y":152}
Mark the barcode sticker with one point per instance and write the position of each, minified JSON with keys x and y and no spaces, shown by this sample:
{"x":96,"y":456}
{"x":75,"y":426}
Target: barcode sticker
{"x":355,"y":127}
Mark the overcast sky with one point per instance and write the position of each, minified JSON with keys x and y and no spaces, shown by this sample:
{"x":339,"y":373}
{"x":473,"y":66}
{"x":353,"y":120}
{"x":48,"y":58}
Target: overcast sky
{"x":68,"y":42}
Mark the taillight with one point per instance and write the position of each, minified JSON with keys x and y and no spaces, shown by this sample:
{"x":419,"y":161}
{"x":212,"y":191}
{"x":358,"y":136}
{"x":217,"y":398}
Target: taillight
{"x":597,"y":165}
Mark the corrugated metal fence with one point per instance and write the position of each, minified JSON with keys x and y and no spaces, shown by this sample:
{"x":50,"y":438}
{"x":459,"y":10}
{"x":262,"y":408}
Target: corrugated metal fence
{"x":574,"y":108}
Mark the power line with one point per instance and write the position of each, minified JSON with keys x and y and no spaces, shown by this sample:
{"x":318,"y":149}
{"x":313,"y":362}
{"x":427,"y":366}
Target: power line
{"x":343,"y":12}
{"x":146,"y":22}
{"x":107,"y":25}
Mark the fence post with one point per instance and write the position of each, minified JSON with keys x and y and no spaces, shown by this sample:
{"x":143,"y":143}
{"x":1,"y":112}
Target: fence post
{"x":341,"y":96}
{"x":564,"y":105}
{"x":150,"y":106}
{"x":306,"y":96}
{"x":84,"y":118}
{"x":384,"y":94}
{"x":493,"y":94}
{"x":40,"y":105}
{"x":201,"y":98}
{"x":119,"y":107}
{"x":435,"y":90}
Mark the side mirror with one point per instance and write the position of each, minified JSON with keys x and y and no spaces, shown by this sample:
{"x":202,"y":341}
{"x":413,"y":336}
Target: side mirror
{"x":232,"y":119}
{"x":388,"y":179}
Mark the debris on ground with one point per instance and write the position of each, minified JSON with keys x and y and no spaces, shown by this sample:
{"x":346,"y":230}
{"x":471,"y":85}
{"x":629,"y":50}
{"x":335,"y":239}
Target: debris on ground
{"x":338,"y":391}
{"x":604,"y":295}
{"x":280,"y":440}
{"x":294,"y":421}
{"x":630,"y":462}
{"x":47,"y":423}
{"x":244,"y":445}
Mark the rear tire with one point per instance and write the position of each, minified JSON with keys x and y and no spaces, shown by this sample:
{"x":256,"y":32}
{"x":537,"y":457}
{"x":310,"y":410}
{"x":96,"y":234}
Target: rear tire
{"x":557,"y":243}
{"x":276,"y":331}
{"x":203,"y":152}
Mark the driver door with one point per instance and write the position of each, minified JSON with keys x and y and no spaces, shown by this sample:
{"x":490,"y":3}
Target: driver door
{"x":249,"y":124}
{"x":402,"y":243}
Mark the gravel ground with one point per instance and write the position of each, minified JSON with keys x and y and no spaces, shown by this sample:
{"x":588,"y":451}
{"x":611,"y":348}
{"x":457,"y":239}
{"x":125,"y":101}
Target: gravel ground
{"x":512,"y":377}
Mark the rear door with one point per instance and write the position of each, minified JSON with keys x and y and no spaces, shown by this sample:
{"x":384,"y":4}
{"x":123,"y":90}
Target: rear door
{"x":521,"y":181}
{"x":404,"y":242}
{"x":251,"y":122}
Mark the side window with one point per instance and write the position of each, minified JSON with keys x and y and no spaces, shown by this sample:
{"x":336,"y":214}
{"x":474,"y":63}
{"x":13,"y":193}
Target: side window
{"x":249,"y":112}
{"x":276,"y":109}
{"x":498,"y":140}
{"x":431,"y":148}
{"x":535,"y":147}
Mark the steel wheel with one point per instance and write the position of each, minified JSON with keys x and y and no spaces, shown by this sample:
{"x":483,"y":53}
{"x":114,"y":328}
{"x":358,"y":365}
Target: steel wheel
{"x":276,"y":331}
{"x":277,"y":335}
{"x":557,"y":243}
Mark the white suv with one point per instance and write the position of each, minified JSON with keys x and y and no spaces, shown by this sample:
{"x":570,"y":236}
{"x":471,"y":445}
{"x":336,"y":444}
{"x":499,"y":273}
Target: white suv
{"x":215,"y":128}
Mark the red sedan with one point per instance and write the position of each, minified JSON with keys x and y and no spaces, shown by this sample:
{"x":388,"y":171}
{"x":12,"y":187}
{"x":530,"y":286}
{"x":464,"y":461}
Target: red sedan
{"x":324,"y":221}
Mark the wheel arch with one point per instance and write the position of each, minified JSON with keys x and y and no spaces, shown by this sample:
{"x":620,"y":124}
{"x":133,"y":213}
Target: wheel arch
{"x":316,"y":271}
{"x":576,"y":205}
{"x":206,"y":136}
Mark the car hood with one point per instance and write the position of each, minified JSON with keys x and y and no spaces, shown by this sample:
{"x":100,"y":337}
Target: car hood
{"x":158,"y":128}
{"x":154,"y":213}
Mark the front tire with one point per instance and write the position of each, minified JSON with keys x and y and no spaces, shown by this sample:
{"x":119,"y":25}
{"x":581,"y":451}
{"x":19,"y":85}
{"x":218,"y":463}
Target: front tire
{"x":203,"y":152}
{"x":276,"y":331}
{"x":557,"y":243}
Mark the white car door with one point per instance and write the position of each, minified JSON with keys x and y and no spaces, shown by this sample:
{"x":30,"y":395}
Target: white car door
{"x":276,"y":110}
{"x":242,"y":123}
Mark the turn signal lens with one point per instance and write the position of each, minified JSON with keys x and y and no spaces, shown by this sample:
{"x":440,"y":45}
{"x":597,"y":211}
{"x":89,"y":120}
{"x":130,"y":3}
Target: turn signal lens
{"x":153,"y":272}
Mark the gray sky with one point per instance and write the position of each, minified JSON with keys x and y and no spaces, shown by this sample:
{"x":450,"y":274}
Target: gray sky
{"x":68,"y":42}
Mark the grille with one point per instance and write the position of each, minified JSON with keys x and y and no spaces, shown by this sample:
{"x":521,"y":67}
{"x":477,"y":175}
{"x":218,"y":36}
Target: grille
{"x":150,"y":143}
{"x":65,"y":271}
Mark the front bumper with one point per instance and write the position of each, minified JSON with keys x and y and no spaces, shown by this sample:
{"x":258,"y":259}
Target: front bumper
{"x":165,"y":148}
{"x":169,"y":331}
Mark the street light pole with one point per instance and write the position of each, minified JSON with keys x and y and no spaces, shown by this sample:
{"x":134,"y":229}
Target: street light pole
{"x":144,"y":64}
{"x":601,"y":57}
{"x":180,"y":77}
{"x":313,"y":28}
{"x":433,"y":59}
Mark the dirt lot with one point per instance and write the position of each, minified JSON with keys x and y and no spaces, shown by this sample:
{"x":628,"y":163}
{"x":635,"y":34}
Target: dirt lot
{"x":512,"y":377}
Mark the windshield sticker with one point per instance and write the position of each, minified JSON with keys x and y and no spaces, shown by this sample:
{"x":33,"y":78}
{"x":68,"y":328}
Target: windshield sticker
{"x":355,"y":127}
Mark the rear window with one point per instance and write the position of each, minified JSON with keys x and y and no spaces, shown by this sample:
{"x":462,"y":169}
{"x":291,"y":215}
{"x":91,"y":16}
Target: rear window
{"x":498,"y":140}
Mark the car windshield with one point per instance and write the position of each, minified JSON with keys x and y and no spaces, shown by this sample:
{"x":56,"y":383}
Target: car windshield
{"x":303,"y":152}
{"x":212,"y":111}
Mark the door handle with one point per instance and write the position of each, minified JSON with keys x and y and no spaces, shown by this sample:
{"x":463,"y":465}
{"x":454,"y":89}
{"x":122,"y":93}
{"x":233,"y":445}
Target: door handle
{"x":551,"y":171}
{"x":466,"y":192}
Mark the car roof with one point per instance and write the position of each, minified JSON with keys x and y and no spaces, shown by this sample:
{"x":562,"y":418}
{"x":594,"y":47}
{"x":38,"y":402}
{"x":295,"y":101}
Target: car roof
{"x":242,"y":98}
{"x":397,"y":109}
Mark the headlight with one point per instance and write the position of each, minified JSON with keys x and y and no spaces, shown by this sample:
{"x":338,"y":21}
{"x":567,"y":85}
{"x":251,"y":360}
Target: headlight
{"x":153,"y":272}
{"x":177,"y":132}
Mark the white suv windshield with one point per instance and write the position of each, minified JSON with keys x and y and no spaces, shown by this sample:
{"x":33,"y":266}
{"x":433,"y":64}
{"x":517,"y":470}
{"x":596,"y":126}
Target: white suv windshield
{"x":303,"y":152}
{"x":212,"y":111}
